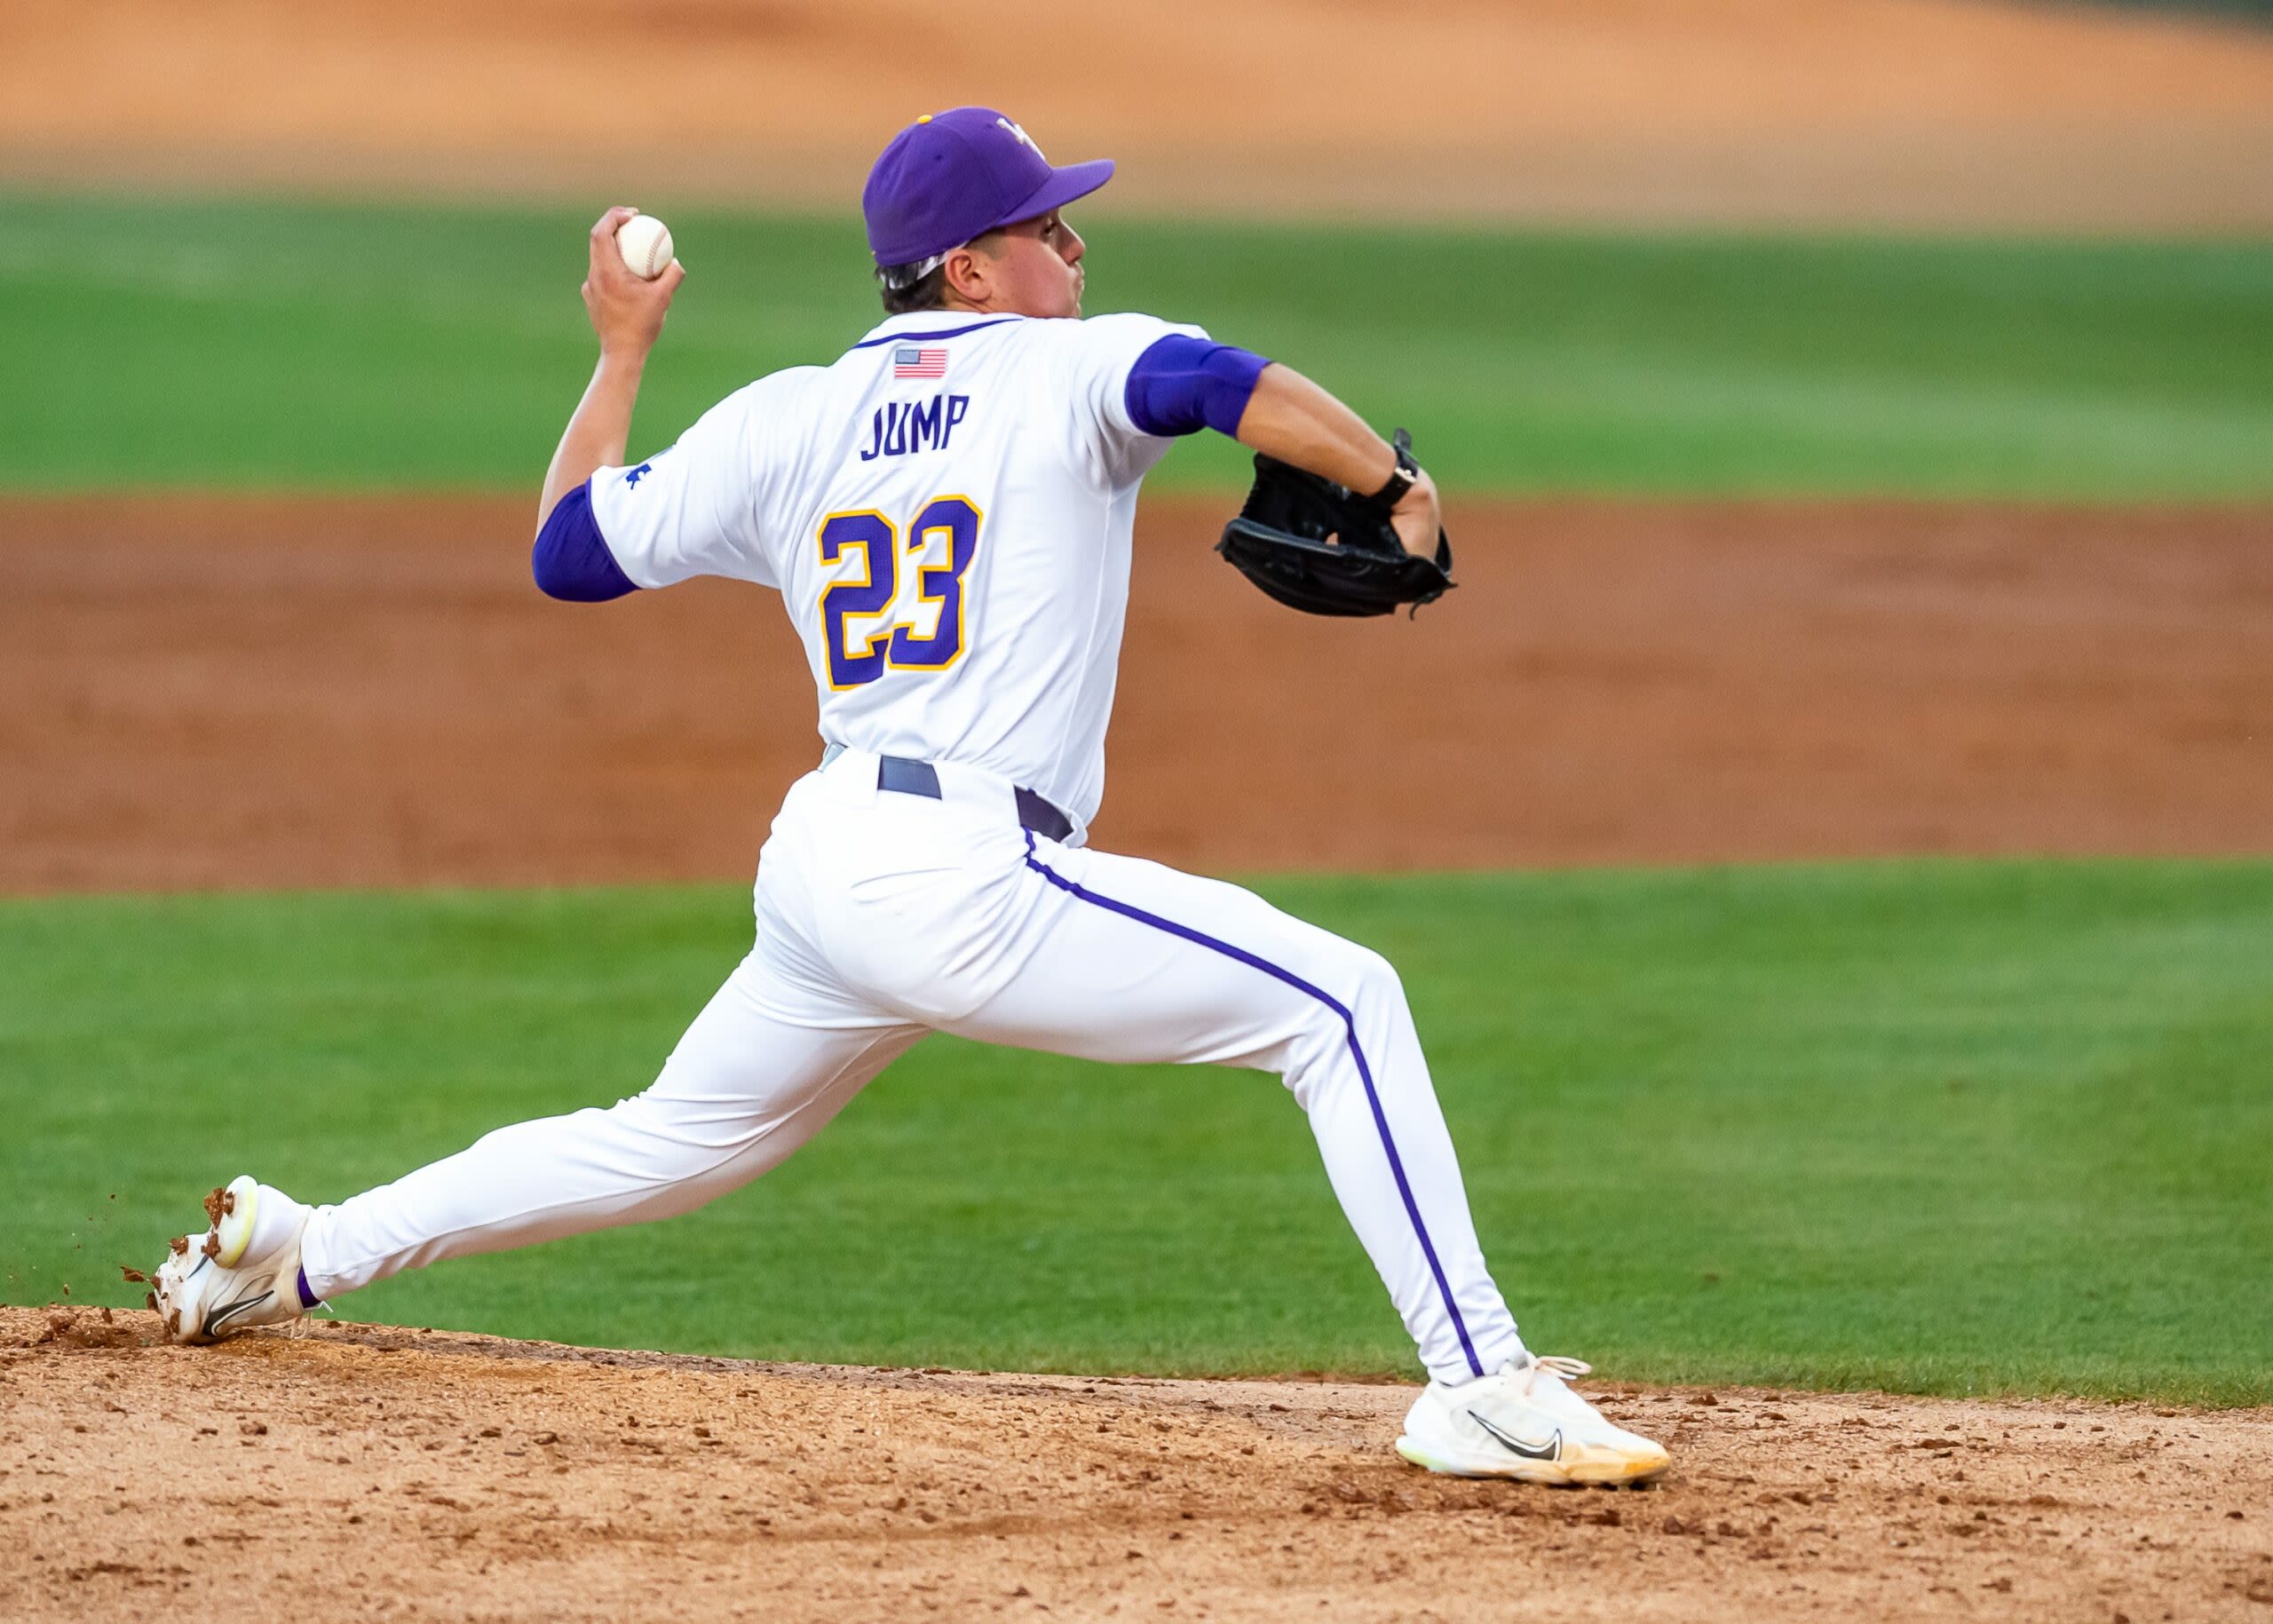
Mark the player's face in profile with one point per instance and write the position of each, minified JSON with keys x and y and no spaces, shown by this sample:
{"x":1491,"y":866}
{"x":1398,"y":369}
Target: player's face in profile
{"x":1038,"y":269}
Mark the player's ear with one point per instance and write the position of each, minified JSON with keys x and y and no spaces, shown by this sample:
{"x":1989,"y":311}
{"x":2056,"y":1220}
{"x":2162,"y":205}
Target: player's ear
{"x":966,"y":274}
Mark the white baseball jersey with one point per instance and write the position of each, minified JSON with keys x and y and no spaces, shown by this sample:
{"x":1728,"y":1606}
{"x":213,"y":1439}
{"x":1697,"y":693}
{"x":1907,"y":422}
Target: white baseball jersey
{"x":946,"y":513}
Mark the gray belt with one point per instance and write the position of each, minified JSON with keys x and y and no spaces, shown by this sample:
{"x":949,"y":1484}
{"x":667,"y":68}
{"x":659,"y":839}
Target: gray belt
{"x":903,"y":775}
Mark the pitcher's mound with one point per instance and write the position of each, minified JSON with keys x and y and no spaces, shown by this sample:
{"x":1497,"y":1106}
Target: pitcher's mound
{"x":361,"y":1470}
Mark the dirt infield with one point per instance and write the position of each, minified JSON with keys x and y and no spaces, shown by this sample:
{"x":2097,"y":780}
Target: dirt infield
{"x":1972,"y":112}
{"x":364,"y":1472}
{"x":232,"y":692}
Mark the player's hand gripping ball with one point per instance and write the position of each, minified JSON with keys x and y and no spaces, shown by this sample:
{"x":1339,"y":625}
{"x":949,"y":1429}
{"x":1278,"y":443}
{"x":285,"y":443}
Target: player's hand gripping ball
{"x":631,"y":282}
{"x":645,"y":243}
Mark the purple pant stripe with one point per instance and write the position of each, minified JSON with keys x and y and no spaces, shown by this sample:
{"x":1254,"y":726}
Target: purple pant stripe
{"x":1357,"y":1053}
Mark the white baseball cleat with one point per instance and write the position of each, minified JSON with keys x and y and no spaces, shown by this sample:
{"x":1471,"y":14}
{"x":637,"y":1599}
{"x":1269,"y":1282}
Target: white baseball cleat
{"x":1525,"y":1422}
{"x":245,"y":1272}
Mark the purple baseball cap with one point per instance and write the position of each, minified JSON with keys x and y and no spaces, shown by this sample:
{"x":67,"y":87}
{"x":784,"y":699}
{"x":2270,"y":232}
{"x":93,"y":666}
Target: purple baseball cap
{"x":950,"y":177}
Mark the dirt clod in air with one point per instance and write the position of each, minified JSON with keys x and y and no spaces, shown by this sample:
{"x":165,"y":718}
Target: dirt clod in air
{"x":132,"y":1276}
{"x":72,"y":1328}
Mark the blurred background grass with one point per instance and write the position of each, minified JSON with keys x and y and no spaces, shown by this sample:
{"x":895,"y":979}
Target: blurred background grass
{"x":1957,"y":1128}
{"x":208,"y":343}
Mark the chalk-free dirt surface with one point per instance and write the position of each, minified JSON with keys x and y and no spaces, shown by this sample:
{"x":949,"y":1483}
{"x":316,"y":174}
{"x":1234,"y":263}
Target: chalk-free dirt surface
{"x":217,"y":693}
{"x":365,"y":1471}
{"x":1975,"y":114}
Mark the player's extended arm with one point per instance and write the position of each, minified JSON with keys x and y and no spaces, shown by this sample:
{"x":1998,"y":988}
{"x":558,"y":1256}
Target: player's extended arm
{"x":1293,"y":419}
{"x":1185,"y":383}
{"x":628,"y":314}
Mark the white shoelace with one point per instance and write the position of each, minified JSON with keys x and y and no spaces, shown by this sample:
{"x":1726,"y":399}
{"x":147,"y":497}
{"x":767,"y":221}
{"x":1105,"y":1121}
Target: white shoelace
{"x":1553,"y":1363}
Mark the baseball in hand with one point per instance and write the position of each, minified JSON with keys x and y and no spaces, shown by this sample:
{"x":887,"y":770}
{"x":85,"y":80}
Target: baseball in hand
{"x":645,"y":243}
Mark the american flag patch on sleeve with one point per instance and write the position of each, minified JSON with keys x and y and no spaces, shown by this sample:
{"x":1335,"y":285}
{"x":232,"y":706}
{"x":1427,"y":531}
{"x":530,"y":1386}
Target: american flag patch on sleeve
{"x":909,"y":361}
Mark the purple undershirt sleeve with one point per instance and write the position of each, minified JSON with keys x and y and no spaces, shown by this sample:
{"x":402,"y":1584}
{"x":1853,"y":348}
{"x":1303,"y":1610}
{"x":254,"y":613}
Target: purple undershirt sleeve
{"x":571,"y":560}
{"x":1181,"y":386}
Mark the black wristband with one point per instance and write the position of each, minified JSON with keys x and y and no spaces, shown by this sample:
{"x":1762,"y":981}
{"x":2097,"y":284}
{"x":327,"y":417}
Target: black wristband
{"x":1401,"y":478}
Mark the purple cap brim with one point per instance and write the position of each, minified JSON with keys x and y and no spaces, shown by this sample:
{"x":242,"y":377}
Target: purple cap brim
{"x":1075,"y":181}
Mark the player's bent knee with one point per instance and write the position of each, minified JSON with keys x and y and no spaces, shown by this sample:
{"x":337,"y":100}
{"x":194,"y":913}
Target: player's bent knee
{"x":1359,"y":987}
{"x":1365,"y":998}
{"x":1379,"y":1012}
{"x":1372,"y":979}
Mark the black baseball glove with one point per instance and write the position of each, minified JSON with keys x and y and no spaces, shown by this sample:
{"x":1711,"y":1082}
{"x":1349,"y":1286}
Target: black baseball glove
{"x":1320,"y":548}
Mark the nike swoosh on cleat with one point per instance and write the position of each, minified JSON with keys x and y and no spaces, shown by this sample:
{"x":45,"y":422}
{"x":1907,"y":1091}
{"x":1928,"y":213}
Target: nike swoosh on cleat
{"x":213,"y":1322}
{"x":1551,"y":1450}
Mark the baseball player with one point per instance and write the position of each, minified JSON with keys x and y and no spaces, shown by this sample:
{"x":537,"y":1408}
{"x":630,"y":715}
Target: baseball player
{"x":946,"y":510}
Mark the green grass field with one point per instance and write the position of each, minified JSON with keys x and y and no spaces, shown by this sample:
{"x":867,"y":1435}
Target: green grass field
{"x":275,"y":344}
{"x":1953,"y":1128}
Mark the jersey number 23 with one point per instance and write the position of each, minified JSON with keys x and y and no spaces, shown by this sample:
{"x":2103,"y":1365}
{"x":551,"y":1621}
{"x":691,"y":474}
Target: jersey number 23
{"x":866,"y":626}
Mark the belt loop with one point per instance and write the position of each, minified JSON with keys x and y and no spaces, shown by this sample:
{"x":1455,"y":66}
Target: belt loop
{"x":1040,"y":816}
{"x":902,"y":775}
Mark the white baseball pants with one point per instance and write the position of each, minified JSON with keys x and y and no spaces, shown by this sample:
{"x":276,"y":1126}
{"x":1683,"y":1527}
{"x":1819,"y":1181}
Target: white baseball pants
{"x":881,"y":916}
